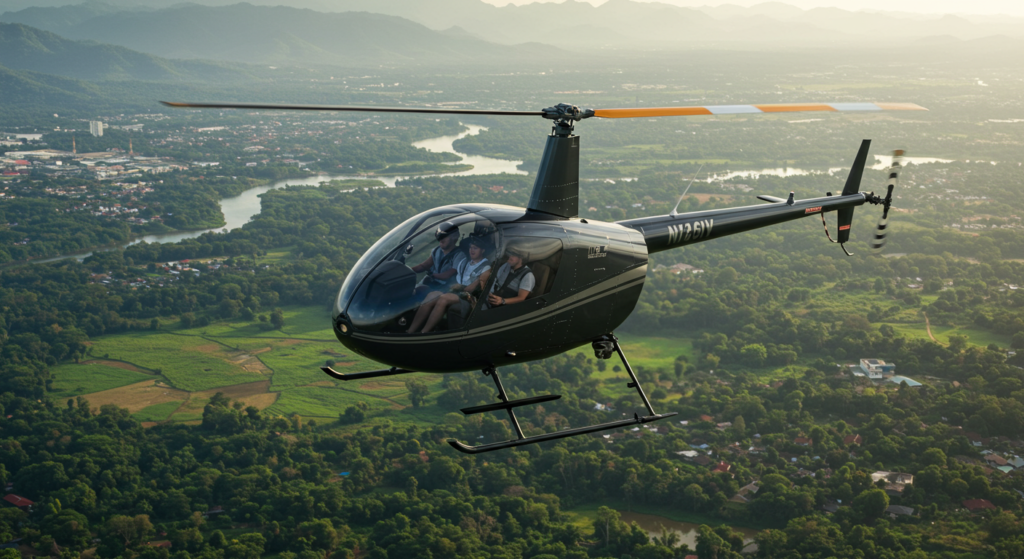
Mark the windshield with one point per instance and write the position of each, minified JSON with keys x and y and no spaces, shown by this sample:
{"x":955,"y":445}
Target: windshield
{"x":427,"y":282}
{"x":387,"y":244}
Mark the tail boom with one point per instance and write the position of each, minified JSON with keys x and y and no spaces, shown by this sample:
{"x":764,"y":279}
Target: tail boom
{"x":664,"y":232}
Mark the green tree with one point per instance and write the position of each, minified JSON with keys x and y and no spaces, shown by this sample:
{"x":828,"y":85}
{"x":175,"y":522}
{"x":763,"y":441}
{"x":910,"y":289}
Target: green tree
{"x":871,"y":503}
{"x":739,"y":426}
{"x":277,"y":319}
{"x":418,"y":392}
{"x":711,"y":546}
{"x":131,"y":530}
{"x":754,"y":354}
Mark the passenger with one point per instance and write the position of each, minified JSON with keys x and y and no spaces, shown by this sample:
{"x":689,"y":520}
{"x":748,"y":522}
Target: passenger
{"x":471,"y":274}
{"x":513,"y":282}
{"x":442,"y":262}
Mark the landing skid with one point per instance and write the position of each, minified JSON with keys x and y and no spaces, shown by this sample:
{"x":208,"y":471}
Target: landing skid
{"x":603,"y":348}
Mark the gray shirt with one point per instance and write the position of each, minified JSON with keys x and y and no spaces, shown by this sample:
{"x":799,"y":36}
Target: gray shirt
{"x":524,"y":281}
{"x":442,"y":263}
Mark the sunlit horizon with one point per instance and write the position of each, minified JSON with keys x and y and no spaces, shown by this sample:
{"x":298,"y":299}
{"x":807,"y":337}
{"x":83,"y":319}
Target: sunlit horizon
{"x":979,"y":7}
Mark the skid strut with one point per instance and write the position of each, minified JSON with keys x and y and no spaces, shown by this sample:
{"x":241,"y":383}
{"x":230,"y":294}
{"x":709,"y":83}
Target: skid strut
{"x":603,"y":348}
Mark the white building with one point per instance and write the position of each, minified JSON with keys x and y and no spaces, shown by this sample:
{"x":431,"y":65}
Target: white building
{"x":96,"y":128}
{"x":877,"y":369}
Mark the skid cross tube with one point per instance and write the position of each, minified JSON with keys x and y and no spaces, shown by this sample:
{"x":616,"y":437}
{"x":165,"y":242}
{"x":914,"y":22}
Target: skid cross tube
{"x":366,"y":374}
{"x":601,"y":344}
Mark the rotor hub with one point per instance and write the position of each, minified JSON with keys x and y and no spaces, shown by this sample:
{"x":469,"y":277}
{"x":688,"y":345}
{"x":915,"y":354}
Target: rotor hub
{"x":564,"y":116}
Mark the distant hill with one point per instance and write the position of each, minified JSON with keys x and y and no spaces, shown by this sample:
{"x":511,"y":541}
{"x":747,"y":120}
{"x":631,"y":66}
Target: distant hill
{"x":357,"y":32}
{"x":28,"y":48}
{"x":274,"y":35}
{"x":21,"y":88}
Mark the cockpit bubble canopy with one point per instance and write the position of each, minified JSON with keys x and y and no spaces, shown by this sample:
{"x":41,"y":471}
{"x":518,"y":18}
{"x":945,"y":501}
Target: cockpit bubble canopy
{"x":382,"y":290}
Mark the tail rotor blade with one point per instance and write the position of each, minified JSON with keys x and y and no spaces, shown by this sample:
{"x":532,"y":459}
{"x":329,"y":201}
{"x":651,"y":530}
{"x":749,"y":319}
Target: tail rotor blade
{"x":878,"y":242}
{"x":880,"y":232}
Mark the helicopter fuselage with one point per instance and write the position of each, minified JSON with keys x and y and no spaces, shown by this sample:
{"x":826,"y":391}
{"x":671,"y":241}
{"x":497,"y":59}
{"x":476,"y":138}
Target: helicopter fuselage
{"x":591,"y":281}
{"x":592,"y":275}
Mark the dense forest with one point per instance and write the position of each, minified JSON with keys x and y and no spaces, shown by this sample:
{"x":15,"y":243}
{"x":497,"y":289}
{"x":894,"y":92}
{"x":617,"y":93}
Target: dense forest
{"x":245,"y":484}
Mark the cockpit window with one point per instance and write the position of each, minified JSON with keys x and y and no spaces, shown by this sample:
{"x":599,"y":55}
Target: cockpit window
{"x":526,"y":263}
{"x":386,"y":244}
{"x":428,"y":280}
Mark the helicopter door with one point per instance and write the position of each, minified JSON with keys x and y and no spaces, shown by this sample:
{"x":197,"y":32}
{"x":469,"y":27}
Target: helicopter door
{"x":540,"y":248}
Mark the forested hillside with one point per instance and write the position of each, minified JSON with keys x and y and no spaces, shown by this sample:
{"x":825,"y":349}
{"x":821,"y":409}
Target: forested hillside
{"x":165,"y":400}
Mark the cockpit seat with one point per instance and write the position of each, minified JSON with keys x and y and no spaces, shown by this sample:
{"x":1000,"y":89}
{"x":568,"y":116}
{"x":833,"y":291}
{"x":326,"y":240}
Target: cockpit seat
{"x":541,"y":275}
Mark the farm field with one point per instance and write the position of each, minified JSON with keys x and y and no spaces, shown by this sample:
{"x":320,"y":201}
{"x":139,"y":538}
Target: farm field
{"x":170,"y":374}
{"x":74,"y":380}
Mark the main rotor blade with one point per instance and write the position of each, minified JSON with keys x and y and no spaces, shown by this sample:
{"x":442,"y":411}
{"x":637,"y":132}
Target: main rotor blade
{"x":285,"y":107}
{"x":755,"y":109}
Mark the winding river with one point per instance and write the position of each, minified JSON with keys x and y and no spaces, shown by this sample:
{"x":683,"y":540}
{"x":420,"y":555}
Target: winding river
{"x":239,"y":210}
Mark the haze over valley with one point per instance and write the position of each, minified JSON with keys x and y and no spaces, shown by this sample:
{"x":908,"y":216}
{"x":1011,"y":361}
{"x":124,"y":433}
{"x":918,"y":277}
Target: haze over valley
{"x":167,"y":278}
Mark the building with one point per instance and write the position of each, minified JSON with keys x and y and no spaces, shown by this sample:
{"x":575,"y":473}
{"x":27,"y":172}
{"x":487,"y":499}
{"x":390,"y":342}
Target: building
{"x":96,"y":128}
{"x":897,"y":510}
{"x":995,"y":460}
{"x":746,"y":493}
{"x":895,"y":482}
{"x":17,"y":501}
{"x":877,"y":369}
{"x":975,"y":505}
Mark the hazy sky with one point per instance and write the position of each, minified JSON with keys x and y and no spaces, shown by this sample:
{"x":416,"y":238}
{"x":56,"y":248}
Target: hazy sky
{"x":1010,"y":7}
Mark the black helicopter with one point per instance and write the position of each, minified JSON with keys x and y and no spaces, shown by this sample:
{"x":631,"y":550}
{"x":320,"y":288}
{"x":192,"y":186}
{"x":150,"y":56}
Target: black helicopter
{"x":586,"y":275}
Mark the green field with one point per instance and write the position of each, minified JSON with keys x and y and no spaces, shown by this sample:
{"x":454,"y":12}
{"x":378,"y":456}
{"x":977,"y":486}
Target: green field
{"x":231,"y":355}
{"x":74,"y":380}
{"x":188,"y":362}
{"x":157,"y":412}
{"x":942,"y":333}
{"x":317,"y":401}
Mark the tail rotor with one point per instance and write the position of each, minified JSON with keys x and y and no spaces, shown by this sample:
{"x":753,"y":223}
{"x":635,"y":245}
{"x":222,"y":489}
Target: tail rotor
{"x":883,"y":223}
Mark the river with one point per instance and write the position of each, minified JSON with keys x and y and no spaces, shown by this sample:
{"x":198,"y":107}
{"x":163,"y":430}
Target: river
{"x":686,"y":531}
{"x":882,"y":162}
{"x":239,"y":210}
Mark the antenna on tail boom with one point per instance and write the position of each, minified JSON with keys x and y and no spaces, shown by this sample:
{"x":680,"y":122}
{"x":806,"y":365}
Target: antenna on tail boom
{"x":674,"y":212}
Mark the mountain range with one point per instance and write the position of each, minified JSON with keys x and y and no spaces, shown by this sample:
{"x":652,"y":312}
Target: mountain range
{"x":269,"y":35}
{"x":336,"y":35}
{"x":28,"y":48}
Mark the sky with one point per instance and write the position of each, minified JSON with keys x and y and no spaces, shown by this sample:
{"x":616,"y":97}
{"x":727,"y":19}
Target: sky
{"x":981,"y":7}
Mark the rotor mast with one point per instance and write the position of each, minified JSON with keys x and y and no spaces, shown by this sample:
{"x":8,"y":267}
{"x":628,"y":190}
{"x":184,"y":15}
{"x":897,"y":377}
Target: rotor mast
{"x":557,"y":188}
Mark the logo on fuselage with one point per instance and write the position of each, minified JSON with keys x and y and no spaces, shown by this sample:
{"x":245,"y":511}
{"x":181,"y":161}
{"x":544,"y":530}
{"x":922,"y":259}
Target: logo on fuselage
{"x":597,"y":252}
{"x":812,"y":210}
{"x":691,"y":231}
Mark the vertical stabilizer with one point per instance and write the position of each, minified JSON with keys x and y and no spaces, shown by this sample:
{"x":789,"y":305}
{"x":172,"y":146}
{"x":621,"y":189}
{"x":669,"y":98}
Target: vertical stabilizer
{"x":845,"y":216}
{"x":857,"y":171}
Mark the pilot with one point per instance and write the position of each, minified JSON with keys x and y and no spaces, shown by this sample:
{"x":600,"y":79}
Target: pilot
{"x":470,"y":274}
{"x":514,"y":280}
{"x":443,"y":260}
